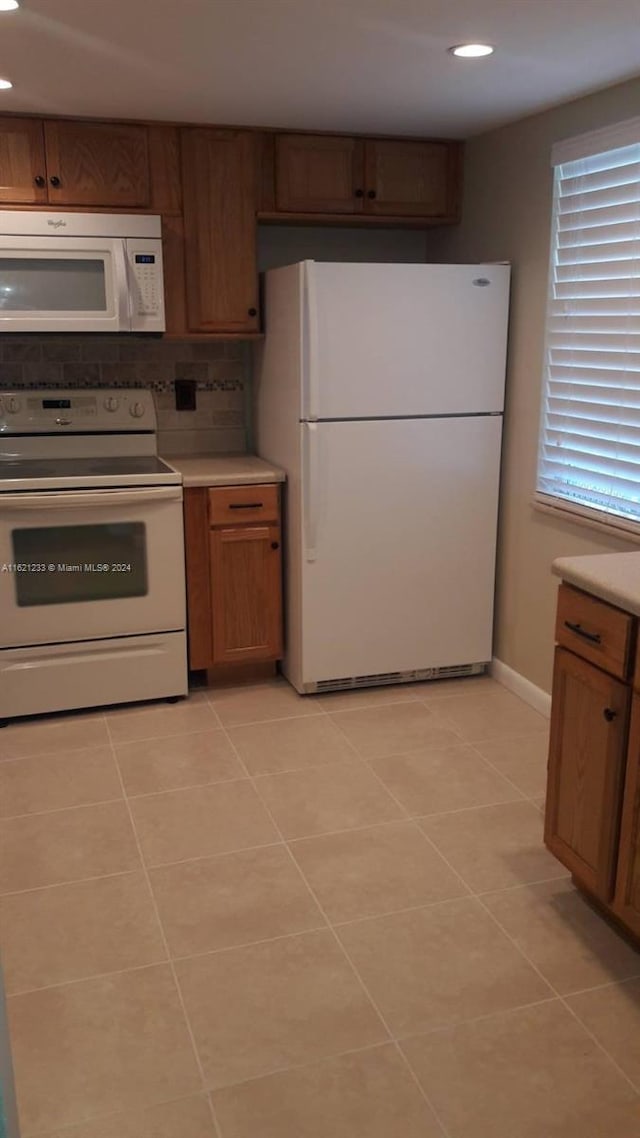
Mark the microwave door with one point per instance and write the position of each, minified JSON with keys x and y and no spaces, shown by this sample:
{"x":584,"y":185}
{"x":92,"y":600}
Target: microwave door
{"x":63,"y":284}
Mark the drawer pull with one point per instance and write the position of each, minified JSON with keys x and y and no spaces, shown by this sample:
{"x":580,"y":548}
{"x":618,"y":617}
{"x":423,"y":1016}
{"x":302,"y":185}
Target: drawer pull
{"x":592,"y":637}
{"x":609,"y":714}
{"x":246,"y":505}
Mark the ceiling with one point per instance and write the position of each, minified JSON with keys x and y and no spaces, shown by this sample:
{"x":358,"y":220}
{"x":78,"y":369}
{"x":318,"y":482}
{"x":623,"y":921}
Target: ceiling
{"x":352,"y":65}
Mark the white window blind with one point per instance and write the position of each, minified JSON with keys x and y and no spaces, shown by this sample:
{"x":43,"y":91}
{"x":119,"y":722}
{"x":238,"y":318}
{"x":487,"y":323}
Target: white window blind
{"x":590,"y":437}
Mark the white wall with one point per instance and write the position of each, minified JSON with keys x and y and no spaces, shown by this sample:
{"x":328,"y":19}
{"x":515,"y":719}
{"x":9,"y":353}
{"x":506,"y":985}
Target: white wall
{"x":506,"y":216}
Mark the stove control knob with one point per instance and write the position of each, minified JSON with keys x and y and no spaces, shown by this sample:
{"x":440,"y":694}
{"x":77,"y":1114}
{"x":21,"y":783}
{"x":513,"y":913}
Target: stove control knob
{"x":137,"y":410}
{"x":111,"y":404}
{"x":13,"y":406}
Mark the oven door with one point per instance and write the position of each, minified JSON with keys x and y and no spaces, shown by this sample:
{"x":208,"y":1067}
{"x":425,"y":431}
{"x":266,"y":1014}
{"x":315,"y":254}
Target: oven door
{"x":80,"y":565}
{"x":64,"y":284}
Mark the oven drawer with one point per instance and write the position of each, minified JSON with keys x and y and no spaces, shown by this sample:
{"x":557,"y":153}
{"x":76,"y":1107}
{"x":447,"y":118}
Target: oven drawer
{"x":92,"y":673}
{"x":235,"y":505}
{"x":594,"y":630}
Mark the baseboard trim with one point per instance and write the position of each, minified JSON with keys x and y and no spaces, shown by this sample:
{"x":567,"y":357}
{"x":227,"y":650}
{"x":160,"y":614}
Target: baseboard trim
{"x":537,"y":698}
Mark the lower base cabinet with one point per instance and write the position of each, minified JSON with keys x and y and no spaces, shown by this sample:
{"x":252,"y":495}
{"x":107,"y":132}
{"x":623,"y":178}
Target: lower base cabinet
{"x":234,"y":574}
{"x":587,"y":756}
{"x":245,"y":582}
{"x":592,"y":816}
{"x":627,"y":902}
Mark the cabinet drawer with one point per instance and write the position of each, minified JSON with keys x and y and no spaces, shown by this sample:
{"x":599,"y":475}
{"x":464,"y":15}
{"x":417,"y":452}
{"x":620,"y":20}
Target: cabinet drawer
{"x":594,"y":630}
{"x":235,"y":505}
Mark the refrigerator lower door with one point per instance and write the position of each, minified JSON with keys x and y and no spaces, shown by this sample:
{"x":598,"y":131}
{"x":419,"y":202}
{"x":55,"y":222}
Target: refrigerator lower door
{"x":396,"y":561}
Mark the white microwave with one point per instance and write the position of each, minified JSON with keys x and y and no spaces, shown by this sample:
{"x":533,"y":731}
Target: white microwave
{"x":80,"y":272}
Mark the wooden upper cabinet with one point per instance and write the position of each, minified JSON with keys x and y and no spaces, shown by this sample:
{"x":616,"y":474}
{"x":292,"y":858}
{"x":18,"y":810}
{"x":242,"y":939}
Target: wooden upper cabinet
{"x":23,"y":171}
{"x":409,"y":178}
{"x":627,"y":899}
{"x":319,"y":174}
{"x":164,"y":165}
{"x":219,"y":176}
{"x":97,"y":164}
{"x":586,"y":771}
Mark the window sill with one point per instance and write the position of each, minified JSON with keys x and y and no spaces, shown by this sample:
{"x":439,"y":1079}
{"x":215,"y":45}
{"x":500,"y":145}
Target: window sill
{"x":583,"y":516}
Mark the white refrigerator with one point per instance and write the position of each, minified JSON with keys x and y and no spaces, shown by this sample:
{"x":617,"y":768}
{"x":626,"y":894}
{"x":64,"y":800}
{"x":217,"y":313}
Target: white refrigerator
{"x":379,"y":389}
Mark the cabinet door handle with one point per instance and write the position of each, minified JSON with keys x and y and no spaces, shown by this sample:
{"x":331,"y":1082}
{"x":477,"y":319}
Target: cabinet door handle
{"x":55,"y":181}
{"x":252,"y":311}
{"x":371,"y":194}
{"x":275,"y":544}
{"x":246,"y":505}
{"x":592,"y":637}
{"x":359,"y":193}
{"x":609,"y":714}
{"x":40,"y":181}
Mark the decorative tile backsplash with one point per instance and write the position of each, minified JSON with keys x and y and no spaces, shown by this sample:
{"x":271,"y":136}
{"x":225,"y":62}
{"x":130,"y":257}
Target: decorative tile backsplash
{"x":221,"y":371}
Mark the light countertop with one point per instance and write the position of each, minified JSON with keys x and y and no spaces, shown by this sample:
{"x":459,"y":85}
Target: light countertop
{"x":224,"y":469}
{"x":614,"y":577}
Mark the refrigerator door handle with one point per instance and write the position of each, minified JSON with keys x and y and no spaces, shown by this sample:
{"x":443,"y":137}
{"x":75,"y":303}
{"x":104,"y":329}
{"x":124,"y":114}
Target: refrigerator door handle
{"x":310,"y":391}
{"x":311,"y":472}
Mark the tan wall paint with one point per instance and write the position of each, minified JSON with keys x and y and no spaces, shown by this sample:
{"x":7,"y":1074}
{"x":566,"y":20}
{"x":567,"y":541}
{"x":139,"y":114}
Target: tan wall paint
{"x":507,"y":216}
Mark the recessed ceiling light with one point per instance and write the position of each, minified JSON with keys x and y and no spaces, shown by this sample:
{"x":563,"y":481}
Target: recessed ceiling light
{"x":9,"y":5}
{"x":472,"y":50}
{"x":5,"y":84}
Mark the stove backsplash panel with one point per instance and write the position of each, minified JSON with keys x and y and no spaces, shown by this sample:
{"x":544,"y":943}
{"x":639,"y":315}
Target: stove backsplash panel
{"x":221,"y":371}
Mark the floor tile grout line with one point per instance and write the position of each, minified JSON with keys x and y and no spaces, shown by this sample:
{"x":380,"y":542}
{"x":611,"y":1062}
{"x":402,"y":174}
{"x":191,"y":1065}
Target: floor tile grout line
{"x":300,"y":1066}
{"x":529,"y":797}
{"x":454,"y":1025}
{"x":74,"y":881}
{"x":419,"y":1087}
{"x":561,"y":876}
{"x":165,"y":942}
{"x":84,"y":979}
{"x":368,"y":759}
{"x":620,"y":983}
{"x":351,"y":965}
{"x":111,"y":1114}
{"x":428,"y":841}
{"x":183,"y":789}
{"x":560,"y":997}
{"x":60,"y":809}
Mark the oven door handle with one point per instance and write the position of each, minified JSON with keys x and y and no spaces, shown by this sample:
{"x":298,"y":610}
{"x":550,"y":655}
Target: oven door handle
{"x":83,"y":499}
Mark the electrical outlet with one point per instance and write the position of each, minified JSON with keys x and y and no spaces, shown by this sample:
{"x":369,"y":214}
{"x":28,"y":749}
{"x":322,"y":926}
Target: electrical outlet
{"x":185,"y":394}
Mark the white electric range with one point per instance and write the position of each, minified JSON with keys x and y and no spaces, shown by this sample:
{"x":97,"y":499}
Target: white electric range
{"x":92,"y":585}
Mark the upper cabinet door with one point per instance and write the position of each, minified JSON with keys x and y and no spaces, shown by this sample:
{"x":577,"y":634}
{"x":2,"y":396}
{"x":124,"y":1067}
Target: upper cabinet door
{"x":410,"y":179}
{"x":319,"y":174}
{"x":97,"y":164}
{"x":23,"y":173}
{"x":219,"y":173}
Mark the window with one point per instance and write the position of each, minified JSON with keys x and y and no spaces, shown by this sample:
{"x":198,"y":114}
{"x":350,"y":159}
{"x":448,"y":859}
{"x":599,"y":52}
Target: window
{"x":589,"y":461}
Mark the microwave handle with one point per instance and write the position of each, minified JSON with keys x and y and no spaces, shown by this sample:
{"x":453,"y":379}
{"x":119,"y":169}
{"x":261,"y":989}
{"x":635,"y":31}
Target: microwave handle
{"x":121,"y":285}
{"x":67,"y":499}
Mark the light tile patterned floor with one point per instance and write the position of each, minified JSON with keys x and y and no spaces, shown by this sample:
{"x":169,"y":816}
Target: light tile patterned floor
{"x":254,"y":915}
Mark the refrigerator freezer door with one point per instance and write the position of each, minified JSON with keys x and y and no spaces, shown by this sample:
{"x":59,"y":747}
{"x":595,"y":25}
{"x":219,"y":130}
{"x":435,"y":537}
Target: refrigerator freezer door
{"x":386,"y":340}
{"x":400,"y":573}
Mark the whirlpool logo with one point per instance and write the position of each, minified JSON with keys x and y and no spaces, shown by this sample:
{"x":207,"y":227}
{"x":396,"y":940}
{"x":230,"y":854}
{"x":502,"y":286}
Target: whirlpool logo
{"x":56,"y":224}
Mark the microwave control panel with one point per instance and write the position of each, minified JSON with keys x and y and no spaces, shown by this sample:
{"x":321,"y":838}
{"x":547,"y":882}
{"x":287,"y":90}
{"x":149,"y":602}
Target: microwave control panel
{"x":147,"y":288}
